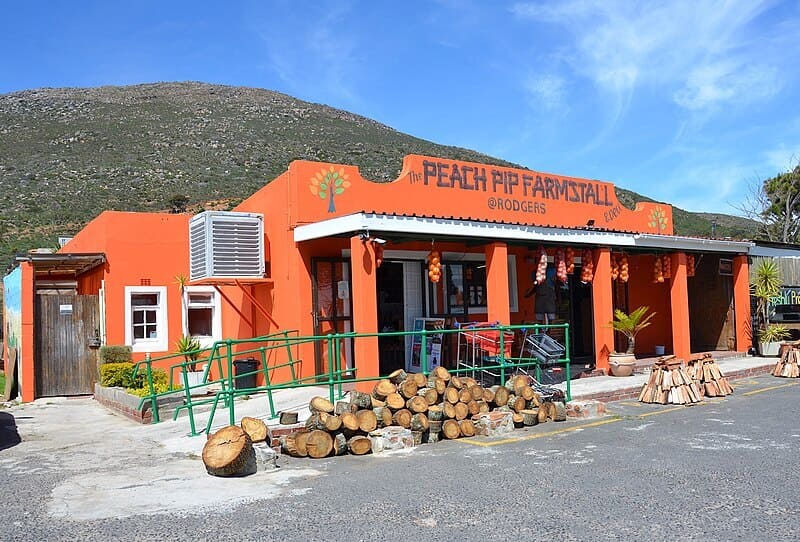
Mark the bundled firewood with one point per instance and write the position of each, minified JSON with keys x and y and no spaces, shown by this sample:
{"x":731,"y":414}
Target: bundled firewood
{"x":669,"y":383}
{"x":409,"y":409}
{"x":787,"y":365}
{"x":708,"y":376}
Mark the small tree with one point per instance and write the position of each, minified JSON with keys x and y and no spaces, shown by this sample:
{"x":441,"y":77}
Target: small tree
{"x":190,"y":348}
{"x":631,"y":324}
{"x":178,"y":203}
{"x":765,"y":284}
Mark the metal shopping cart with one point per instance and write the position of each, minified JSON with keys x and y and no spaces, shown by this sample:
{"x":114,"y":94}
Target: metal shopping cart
{"x":479,"y":346}
{"x":546,"y":351}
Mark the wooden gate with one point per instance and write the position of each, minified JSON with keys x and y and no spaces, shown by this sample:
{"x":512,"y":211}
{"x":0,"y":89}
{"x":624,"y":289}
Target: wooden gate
{"x":65,"y":324}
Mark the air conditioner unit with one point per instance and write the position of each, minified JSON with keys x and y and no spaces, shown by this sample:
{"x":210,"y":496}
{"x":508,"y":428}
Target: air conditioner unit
{"x":226,"y":244}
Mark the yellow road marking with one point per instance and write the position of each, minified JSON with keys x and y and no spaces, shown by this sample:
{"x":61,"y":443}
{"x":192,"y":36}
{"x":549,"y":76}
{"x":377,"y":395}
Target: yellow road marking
{"x":490,"y":443}
{"x":770,"y":388}
{"x":630,"y":403}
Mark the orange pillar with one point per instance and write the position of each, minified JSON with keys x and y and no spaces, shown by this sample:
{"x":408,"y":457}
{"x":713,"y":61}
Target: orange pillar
{"x":679,"y":303}
{"x":602,"y":308}
{"x":365,"y":311}
{"x":741,"y":303}
{"x":497,"y":300}
{"x":25,"y":356}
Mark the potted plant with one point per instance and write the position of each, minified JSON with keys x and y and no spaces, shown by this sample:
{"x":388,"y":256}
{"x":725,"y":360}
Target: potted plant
{"x":630,"y":325}
{"x":190,"y":348}
{"x":765,"y":284}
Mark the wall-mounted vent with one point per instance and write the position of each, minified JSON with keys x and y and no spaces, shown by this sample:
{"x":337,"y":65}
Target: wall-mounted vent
{"x":225,"y":244}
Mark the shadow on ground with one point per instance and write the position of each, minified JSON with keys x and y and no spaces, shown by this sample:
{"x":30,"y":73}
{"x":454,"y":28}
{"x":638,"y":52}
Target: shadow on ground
{"x":9,"y":437}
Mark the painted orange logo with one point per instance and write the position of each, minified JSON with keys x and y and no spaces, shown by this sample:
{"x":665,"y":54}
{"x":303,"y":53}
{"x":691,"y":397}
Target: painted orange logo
{"x":658,"y":219}
{"x":327,"y":183}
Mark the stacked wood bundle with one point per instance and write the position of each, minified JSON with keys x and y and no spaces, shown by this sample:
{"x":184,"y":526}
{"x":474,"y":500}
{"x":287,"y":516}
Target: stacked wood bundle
{"x":669,"y":383}
{"x":787,"y":365}
{"x":439,"y":406}
{"x":708,"y":376}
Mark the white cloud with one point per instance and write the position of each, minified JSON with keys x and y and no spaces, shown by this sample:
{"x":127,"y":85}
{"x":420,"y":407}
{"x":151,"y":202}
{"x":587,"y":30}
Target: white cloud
{"x":546,"y":92}
{"x":712,"y":84}
{"x":782,"y":158}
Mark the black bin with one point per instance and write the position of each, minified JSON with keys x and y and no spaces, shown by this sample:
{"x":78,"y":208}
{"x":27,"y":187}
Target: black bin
{"x":242,"y":366}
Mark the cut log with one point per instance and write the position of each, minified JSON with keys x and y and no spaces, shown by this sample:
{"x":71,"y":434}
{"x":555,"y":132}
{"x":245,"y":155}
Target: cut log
{"x":536,"y":400}
{"x":408,"y":388}
{"x":319,"y":444}
{"x":473,"y":407}
{"x":256,"y":429}
{"x":451,"y":395}
{"x":359,"y":445}
{"x":397,"y":376}
{"x":500,"y":395}
{"x":450,"y":429}
{"x":559,"y":413}
{"x":377,"y":403}
{"x":333,"y":423}
{"x":320,"y":404}
{"x":456,"y":382}
{"x":544,"y":409}
{"x":360,"y":399}
{"x":434,"y":431}
{"x":383,"y":415}
{"x":517,"y":418}
{"x":448,"y":410}
{"x":402,"y":418}
{"x":529,"y":417}
{"x":229,"y":452}
{"x":367,"y":421}
{"x":477,"y":392}
{"x":483,"y":407}
{"x":439,"y":385}
{"x":465,"y":396}
{"x":417,"y":404}
{"x":343,"y":406}
{"x":517,"y":403}
{"x":420,"y":380}
{"x":288,"y":418}
{"x":294,"y":444}
{"x":462,"y":411}
{"x":441,"y":372}
{"x":339,"y":444}
{"x":488,"y":395}
{"x":517,"y":383}
{"x":429,"y":394}
{"x":418,"y":437}
{"x":435,"y":413}
{"x":526,"y":392}
{"x":383,"y":388}
{"x":467,"y":428}
{"x":349,"y":423}
{"x":419,"y":422}
{"x":317,"y":421}
{"x":395,"y":401}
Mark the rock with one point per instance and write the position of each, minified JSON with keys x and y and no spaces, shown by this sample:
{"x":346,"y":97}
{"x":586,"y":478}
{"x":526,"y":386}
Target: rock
{"x":266,"y":457}
{"x":494,"y":424}
{"x":391,"y":438}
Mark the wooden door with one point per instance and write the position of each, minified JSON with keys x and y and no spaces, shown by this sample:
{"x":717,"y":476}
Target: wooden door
{"x":65,"y":324}
{"x":332,"y":309}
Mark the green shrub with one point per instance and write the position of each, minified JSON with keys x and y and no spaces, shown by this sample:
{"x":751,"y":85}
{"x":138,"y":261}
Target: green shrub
{"x":117,"y":374}
{"x":115,"y":354}
{"x":160,"y":384}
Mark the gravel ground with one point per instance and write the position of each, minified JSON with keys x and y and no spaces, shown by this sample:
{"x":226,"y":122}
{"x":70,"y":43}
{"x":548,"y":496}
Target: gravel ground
{"x":721,"y":471}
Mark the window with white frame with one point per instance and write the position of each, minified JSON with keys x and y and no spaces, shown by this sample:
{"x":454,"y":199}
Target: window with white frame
{"x":201,"y":319}
{"x":146,"y":318}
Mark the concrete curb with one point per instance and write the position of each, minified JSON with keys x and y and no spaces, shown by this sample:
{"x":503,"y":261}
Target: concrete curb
{"x":633,"y":392}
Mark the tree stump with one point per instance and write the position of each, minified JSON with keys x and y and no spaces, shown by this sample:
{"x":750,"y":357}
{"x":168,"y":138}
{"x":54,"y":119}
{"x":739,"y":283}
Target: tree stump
{"x":441,"y":372}
{"x":462,"y":411}
{"x":229,"y":452}
{"x":402,"y":418}
{"x":419,"y":422}
{"x":395,"y":401}
{"x":383,"y":388}
{"x":359,"y":445}
{"x":288,"y":418}
{"x":417,"y":404}
{"x":256,"y":429}
{"x":367,"y":421}
{"x":360,"y":399}
{"x":319,"y":444}
{"x":320,"y":404}
{"x":529,"y":417}
{"x":467,"y":428}
{"x":396,"y":377}
{"x":559,"y":411}
{"x":450,"y":429}
{"x":408,"y":388}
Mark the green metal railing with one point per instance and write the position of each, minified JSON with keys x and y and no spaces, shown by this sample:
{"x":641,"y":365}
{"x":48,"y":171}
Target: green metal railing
{"x":279,"y":351}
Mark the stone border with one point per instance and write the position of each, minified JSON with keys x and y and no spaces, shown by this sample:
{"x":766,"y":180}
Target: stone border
{"x":119,"y":401}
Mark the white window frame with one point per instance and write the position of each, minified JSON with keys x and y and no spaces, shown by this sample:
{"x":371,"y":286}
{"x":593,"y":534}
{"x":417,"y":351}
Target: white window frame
{"x":216,"y":314}
{"x":161,"y":344}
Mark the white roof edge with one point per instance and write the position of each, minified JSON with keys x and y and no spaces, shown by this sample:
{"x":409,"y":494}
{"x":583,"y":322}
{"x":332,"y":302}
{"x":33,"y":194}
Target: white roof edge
{"x":490,"y":230}
{"x":774,"y":252}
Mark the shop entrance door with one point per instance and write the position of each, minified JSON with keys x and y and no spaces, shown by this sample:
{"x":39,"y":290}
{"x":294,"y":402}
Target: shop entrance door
{"x":390,"y":316}
{"x":581,"y":325}
{"x":333,"y":310}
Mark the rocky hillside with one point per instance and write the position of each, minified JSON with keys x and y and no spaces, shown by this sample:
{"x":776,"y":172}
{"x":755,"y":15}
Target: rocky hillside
{"x":68,"y":154}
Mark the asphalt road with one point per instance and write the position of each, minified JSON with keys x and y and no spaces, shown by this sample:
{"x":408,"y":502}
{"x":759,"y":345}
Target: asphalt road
{"x":724,"y":470}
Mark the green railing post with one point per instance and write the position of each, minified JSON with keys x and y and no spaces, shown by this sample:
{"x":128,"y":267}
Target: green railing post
{"x":331,"y":356}
{"x":568,"y":361}
{"x":231,"y":408}
{"x":272,"y":414}
{"x":153,"y":400}
{"x":190,"y":409}
{"x":423,"y":352}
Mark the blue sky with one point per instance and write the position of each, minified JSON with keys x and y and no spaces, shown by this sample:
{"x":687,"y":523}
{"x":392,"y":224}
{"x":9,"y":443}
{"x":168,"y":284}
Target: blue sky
{"x":689,"y":102}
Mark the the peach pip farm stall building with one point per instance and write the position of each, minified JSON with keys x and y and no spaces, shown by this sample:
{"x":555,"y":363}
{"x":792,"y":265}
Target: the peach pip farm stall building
{"x":309,"y":242}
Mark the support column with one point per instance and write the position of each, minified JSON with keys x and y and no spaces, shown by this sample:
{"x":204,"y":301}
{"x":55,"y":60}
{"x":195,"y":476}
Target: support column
{"x":365,"y":311}
{"x":741,"y":303}
{"x":497,"y":299}
{"x":26,"y":364}
{"x":602,"y":308}
{"x":679,"y":304}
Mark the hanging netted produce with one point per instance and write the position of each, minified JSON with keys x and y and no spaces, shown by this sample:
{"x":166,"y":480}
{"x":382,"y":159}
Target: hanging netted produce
{"x":690,"y":265}
{"x":569,"y":260}
{"x":378,"y":248}
{"x":561,"y":265}
{"x":587,"y":266}
{"x":666,"y":266}
{"x":541,"y":265}
{"x":434,"y":266}
{"x":614,"y":266}
{"x":623,"y":267}
{"x":658,"y":272}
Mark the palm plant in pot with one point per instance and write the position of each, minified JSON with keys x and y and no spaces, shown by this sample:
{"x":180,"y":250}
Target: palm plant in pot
{"x":765,"y":284}
{"x":190,"y":348}
{"x":630,"y":325}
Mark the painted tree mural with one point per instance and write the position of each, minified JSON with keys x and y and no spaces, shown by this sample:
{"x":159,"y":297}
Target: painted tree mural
{"x":328,"y":183}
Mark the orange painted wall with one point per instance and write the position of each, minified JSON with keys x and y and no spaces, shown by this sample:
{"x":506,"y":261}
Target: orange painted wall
{"x":27,"y":365}
{"x":643,"y":291}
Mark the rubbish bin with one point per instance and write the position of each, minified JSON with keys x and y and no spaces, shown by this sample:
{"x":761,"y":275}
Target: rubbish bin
{"x":241,"y":367}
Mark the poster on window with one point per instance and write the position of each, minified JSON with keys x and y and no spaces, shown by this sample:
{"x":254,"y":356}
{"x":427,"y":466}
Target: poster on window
{"x":433,"y":345}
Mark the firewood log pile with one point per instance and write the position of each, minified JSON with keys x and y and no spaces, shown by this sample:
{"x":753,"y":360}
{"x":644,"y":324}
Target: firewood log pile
{"x":669,"y":383}
{"x":787,"y":364}
{"x":708,"y":376}
{"x":439,"y":406}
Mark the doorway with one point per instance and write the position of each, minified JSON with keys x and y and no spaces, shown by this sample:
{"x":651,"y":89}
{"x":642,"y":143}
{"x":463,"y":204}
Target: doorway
{"x":581,"y":326}
{"x":332,"y":310}
{"x":391,"y":317}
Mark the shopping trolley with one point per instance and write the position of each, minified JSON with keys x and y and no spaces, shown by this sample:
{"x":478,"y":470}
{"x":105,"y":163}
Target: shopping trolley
{"x":546,"y":351}
{"x":479,"y":345}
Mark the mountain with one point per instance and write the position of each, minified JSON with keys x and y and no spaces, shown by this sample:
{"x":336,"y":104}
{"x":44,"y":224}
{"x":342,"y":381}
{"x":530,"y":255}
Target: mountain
{"x":68,"y":154}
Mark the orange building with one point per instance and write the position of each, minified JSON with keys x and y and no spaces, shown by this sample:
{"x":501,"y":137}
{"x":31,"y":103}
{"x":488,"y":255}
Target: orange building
{"x":324,"y":229}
